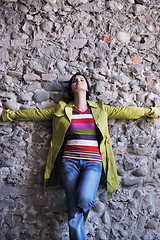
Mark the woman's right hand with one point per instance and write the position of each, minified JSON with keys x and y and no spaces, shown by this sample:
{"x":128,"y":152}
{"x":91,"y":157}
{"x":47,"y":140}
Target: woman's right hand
{"x":1,"y":109}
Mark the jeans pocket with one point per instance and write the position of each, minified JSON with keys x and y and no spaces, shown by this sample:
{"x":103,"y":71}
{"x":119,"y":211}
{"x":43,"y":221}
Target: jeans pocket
{"x":63,"y":160}
{"x":66,"y":166}
{"x":97,"y":166}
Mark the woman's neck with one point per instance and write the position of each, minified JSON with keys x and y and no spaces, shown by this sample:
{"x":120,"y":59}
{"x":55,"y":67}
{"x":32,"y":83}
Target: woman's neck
{"x":80,"y":102}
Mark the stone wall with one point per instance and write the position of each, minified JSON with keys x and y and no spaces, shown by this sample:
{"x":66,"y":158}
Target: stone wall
{"x":117,"y":44}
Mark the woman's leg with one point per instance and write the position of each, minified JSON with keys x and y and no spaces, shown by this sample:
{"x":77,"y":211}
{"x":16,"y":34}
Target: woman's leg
{"x":88,"y":184}
{"x":80,"y":180}
{"x":70,"y":174}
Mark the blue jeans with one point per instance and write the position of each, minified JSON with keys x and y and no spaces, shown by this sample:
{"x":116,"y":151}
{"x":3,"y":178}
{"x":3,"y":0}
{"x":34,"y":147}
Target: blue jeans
{"x":80,"y":179}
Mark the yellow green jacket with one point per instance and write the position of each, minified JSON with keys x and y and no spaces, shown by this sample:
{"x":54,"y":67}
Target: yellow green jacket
{"x":61,"y":115}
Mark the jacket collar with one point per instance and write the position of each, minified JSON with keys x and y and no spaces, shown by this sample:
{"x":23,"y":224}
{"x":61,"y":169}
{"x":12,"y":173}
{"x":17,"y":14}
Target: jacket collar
{"x":92,"y":104}
{"x":67,"y":108}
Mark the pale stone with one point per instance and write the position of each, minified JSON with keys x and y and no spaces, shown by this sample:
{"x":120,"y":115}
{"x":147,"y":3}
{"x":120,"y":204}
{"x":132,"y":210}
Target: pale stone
{"x":34,"y":86}
{"x":46,"y":104}
{"x":123,"y":36}
{"x":114,"y":5}
{"x":99,"y":88}
{"x":142,"y":151}
{"x":5,"y":42}
{"x":52,"y":2}
{"x":103,"y":197}
{"x":31,"y":77}
{"x":90,"y":7}
{"x":108,"y":97}
{"x":67,"y":31}
{"x":11,"y":105}
{"x":87,"y":55}
{"x":122,"y":79}
{"x":15,"y":74}
{"x":9,"y":95}
{"x":135,"y":237}
{"x":140,"y":172}
{"x":23,"y":8}
{"x":61,"y":65}
{"x":158,"y":45}
{"x":154,"y":88}
{"x":152,"y":224}
{"x":24,"y":97}
{"x":56,"y":96}
{"x":143,"y":140}
{"x":76,"y":3}
{"x":123,"y":233}
{"x":4,"y":54}
{"x":98,"y":77}
{"x":138,"y":8}
{"x":29,"y":17}
{"x":78,"y":43}
{"x":47,"y":8}
{"x":121,"y":171}
{"x":73,"y":54}
{"x":131,"y":182}
{"x":64,"y":78}
{"x":137,"y":194}
{"x":88,"y":228}
{"x":49,"y":76}
{"x":85,"y":19}
{"x":136,"y":38}
{"x":131,"y":1}
{"x":18,"y":42}
{"x":147,"y":200}
{"x":99,"y":207}
{"x":128,"y":60}
{"x":35,"y":65}
{"x":128,"y":166}
{"x":41,"y":96}
{"x":106,"y":219}
{"x":99,"y":17}
{"x":100,"y":234}
{"x":7,"y":79}
{"x":24,"y":36}
{"x":10,"y":1}
{"x":53,"y":86}
{"x":153,"y":28}
{"x":46,"y":26}
{"x":105,"y":71}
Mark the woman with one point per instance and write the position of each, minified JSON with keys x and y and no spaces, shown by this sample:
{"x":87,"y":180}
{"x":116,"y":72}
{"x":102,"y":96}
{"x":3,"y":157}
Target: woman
{"x":81,"y":139}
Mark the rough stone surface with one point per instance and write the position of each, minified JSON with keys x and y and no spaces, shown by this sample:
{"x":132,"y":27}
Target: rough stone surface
{"x":123,"y":36}
{"x":117,"y":45}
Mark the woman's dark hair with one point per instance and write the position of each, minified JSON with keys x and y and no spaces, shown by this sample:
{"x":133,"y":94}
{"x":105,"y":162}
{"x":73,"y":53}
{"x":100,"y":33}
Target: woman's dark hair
{"x":70,"y":93}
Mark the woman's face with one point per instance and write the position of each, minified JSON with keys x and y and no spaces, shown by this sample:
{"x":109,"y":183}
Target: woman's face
{"x":79,"y":83}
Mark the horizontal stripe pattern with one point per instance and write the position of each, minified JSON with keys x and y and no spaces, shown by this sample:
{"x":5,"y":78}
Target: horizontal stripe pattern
{"x":83,"y":126}
{"x":79,"y":142}
{"x":82,"y":138}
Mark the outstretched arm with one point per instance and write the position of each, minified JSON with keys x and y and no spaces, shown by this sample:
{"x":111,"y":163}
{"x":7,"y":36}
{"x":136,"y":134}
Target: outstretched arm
{"x":34,"y":114}
{"x":132,"y":112}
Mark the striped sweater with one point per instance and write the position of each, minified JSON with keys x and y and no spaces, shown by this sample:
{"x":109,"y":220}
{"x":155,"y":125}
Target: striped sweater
{"x":81,"y":137}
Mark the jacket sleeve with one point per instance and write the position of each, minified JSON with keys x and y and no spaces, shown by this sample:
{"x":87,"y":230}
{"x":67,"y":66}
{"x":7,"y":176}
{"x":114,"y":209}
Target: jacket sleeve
{"x":131,"y":112}
{"x":35,"y":114}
